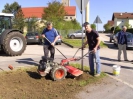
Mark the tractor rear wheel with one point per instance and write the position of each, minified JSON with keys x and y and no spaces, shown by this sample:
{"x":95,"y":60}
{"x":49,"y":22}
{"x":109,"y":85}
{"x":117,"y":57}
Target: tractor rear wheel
{"x":14,"y":44}
{"x":58,"y":73}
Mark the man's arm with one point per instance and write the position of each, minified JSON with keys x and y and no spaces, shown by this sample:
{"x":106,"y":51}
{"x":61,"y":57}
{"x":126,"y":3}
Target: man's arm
{"x":118,"y":36}
{"x":98,"y":43}
{"x":85,"y":43}
{"x":125,"y":38}
{"x":56,"y":37}
{"x":43,"y":33}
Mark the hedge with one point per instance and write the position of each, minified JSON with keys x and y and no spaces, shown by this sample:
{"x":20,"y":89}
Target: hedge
{"x":128,"y":30}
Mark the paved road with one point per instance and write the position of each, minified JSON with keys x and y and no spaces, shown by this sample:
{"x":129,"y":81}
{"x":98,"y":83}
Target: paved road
{"x":30,"y":57}
{"x":33,"y":54}
{"x":115,"y":87}
{"x":120,"y":87}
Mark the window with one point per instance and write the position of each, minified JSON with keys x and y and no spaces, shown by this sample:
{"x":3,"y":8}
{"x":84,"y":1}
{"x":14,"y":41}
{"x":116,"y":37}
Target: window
{"x":70,"y":17}
{"x":5,"y":23}
{"x":66,"y":17}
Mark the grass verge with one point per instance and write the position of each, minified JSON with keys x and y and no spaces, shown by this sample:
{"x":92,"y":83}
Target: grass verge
{"x":78,"y":42}
{"x":91,"y":79}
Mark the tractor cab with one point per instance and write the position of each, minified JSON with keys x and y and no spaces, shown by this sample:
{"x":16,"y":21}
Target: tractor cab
{"x":5,"y":22}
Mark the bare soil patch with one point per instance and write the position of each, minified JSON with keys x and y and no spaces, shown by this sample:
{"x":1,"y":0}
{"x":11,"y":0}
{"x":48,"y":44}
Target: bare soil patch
{"x":27,"y":84}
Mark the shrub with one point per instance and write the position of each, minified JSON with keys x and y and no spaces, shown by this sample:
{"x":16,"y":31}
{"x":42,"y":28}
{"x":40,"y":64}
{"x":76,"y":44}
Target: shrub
{"x":128,"y":30}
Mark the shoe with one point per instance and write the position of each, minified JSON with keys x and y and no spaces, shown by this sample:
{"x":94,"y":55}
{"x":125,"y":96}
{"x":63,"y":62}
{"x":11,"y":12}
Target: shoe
{"x":126,"y":60}
{"x":119,"y":60}
{"x":97,"y":75}
{"x":91,"y":73}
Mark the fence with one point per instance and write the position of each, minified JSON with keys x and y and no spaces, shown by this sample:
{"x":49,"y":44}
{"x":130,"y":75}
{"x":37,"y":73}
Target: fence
{"x":64,"y":33}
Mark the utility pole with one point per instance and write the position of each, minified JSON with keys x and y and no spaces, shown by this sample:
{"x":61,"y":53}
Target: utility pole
{"x":82,"y":5}
{"x":87,"y":12}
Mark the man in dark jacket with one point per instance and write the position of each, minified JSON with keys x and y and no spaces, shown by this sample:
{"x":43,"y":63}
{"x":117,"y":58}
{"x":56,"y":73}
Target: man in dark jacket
{"x":122,"y":42}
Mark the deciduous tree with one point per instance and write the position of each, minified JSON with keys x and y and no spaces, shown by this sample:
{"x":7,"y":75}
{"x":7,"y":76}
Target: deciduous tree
{"x":55,"y":12}
{"x":107,"y":27}
{"x":18,"y":19}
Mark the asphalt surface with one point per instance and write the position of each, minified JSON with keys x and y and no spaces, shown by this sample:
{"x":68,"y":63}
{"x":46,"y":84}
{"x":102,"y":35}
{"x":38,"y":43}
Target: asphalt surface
{"x":114,"y":87}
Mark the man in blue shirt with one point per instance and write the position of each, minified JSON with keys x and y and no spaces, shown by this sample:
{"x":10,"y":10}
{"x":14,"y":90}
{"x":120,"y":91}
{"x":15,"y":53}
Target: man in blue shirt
{"x":51,"y":34}
{"x":122,"y":42}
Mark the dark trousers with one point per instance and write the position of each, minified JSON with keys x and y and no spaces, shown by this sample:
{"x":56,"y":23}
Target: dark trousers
{"x":48,"y":48}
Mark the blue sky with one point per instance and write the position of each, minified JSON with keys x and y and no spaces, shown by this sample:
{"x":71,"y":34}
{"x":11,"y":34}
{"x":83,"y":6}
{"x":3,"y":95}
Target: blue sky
{"x":103,"y":8}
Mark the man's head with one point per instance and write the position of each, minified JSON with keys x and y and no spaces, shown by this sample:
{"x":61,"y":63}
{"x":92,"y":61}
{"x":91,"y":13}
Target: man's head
{"x":87,"y":27}
{"x":124,"y":28}
{"x":49,"y":25}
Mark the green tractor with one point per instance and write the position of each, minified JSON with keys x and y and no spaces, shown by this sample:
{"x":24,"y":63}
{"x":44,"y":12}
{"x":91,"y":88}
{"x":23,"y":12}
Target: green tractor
{"x":12,"y":41}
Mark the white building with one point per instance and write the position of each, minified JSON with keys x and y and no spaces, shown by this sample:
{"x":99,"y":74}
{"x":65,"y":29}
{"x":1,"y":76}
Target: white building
{"x":120,"y":19}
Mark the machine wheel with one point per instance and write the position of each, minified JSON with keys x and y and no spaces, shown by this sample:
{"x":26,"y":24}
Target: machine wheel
{"x":14,"y":44}
{"x":58,"y":73}
{"x":72,"y":36}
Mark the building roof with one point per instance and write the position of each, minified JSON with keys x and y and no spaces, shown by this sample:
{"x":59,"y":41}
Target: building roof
{"x":124,"y":15}
{"x":70,"y":10}
{"x":38,"y":11}
{"x":111,"y":23}
{"x":33,"y":12}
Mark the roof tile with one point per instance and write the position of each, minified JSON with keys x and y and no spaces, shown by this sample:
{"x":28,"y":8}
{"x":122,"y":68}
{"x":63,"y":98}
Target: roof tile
{"x":38,"y":11}
{"x":124,"y":15}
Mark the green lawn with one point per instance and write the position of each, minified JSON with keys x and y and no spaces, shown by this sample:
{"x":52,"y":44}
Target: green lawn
{"x":78,"y":42}
{"x":91,"y":79}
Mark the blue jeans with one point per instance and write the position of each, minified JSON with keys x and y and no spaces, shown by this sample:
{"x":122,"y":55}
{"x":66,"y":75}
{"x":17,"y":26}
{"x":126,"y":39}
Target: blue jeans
{"x":91,"y":58}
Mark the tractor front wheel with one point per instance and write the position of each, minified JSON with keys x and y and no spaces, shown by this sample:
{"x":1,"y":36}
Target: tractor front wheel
{"x":58,"y":73}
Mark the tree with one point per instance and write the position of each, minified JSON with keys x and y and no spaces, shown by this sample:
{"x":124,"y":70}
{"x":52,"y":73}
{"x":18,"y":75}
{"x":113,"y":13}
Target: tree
{"x":76,"y":24}
{"x":117,"y":28}
{"x":11,"y":8}
{"x":54,"y":12}
{"x":18,"y":20}
{"x":107,"y":27}
{"x":112,"y":29}
{"x":93,"y":26}
{"x":128,"y":25}
{"x":32,"y":24}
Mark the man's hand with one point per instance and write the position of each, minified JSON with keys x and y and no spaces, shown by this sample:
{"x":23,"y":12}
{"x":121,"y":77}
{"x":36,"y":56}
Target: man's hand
{"x":83,"y":46}
{"x":53,"y":43}
{"x":43,"y":36}
{"x":94,"y":50}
